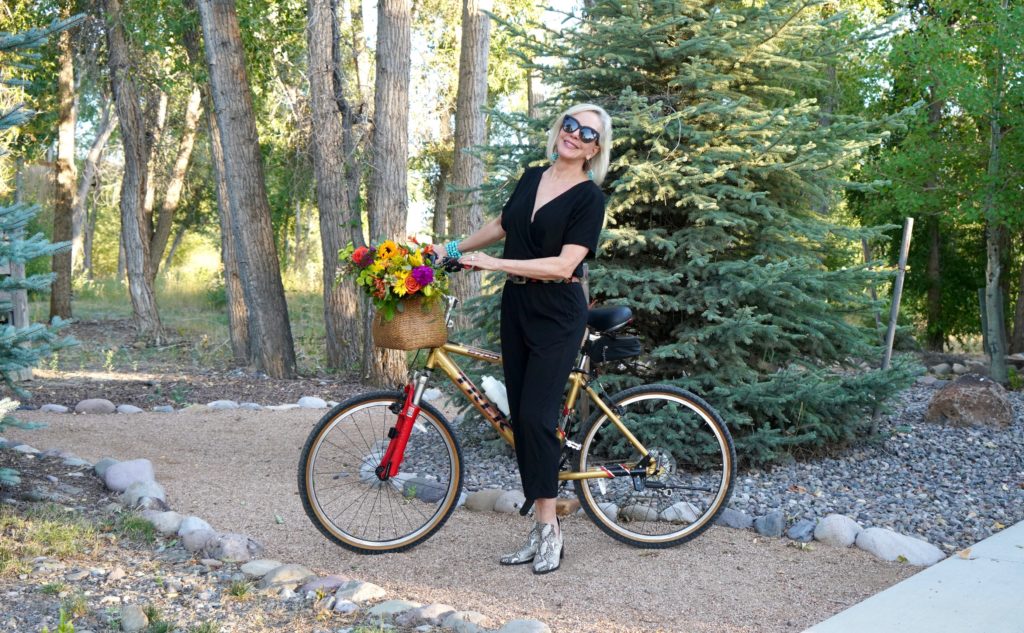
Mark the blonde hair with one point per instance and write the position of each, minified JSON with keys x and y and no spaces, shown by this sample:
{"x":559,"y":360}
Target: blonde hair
{"x":599,"y":163}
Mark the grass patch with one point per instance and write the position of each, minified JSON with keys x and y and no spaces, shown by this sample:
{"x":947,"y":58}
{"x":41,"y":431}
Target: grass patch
{"x":76,"y":605}
{"x":240,"y":589}
{"x":42,"y":531}
{"x":206,"y":627}
{"x":133,"y":527}
{"x":64,"y":626}
{"x":53,"y":588}
{"x":157,"y":624}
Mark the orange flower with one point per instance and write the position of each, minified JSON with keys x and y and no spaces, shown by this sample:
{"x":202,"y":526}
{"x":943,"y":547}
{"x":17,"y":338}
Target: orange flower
{"x":411,"y":285}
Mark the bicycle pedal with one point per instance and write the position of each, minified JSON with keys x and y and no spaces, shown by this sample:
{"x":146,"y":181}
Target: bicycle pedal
{"x":392,"y":432}
{"x":639,"y":483}
{"x":573,"y":445}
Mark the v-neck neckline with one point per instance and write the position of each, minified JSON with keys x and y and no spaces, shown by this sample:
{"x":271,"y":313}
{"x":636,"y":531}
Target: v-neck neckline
{"x":534,"y":209}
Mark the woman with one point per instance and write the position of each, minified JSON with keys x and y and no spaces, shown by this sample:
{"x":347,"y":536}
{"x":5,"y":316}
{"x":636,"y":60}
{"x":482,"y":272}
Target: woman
{"x":550,"y":224}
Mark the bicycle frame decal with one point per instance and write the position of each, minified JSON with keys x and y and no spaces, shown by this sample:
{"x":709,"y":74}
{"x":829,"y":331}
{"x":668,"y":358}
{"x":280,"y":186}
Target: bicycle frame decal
{"x":439,"y":358}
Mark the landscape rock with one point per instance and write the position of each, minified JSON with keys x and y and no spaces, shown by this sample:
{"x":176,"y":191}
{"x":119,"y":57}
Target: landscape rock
{"x":389,"y":609}
{"x":927,"y":380}
{"x":889,"y":545}
{"x":345,"y":606}
{"x":609,"y":509}
{"x":327,"y":583}
{"x":288,"y":576}
{"x":163,"y":408}
{"x":95,"y":406}
{"x":565,"y":507}
{"x":525,"y":626}
{"x":942,"y":369}
{"x":971,"y":400}
{"x":429,"y":395}
{"x":959,"y":369}
{"x":359,"y":591}
{"x":25,"y":448}
{"x":509,"y":502}
{"x":838,"y":530}
{"x":735,"y":519}
{"x":128,"y":408}
{"x":165,"y":523}
{"x":281,"y":407}
{"x":133,"y":496}
{"x":261,"y":567}
{"x":53,"y":408}
{"x":483,"y":500}
{"x":191,"y":524}
{"x":117,"y":573}
{"x":133,"y":618}
{"x":681,"y":512}
{"x":466,"y":622}
{"x":770,"y":524}
{"x":196,"y":540}
{"x":424,"y":489}
{"x":638,"y":512}
{"x":312,"y":402}
{"x":802,"y":530}
{"x":76,"y":462}
{"x":432,"y":614}
{"x":101,"y":466}
{"x":123,"y":474}
{"x":223,"y":404}
{"x":250,"y":406}
{"x":233,"y":548}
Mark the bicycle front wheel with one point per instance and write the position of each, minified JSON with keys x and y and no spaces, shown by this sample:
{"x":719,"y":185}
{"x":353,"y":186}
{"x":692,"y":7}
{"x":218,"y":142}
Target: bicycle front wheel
{"x":346,"y":500}
{"x":695,"y":467}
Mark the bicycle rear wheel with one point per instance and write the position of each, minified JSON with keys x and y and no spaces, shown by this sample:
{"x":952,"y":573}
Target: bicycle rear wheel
{"x":695,"y":459}
{"x":346,"y":500}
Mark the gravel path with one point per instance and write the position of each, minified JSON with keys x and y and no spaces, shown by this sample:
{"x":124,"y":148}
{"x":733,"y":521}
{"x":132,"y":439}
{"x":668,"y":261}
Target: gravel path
{"x":237,"y":470}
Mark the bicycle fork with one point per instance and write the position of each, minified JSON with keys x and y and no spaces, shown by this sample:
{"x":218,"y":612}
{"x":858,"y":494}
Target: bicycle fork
{"x":399,"y":433}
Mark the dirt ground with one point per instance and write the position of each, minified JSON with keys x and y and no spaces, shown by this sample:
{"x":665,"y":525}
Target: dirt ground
{"x":237,"y":470}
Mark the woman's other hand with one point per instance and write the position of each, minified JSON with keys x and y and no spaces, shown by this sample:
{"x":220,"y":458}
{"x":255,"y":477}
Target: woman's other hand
{"x":479,"y":261}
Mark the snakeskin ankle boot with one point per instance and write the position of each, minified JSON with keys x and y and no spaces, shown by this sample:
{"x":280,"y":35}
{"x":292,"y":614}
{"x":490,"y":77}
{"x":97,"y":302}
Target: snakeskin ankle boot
{"x":550,"y":552}
{"x":526,"y":553}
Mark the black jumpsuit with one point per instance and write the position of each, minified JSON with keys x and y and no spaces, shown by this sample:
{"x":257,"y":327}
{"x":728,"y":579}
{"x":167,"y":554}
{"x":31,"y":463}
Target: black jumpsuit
{"x":542,"y":323}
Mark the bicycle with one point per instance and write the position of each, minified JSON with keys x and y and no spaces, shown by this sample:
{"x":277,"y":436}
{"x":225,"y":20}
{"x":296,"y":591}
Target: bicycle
{"x":652,"y":466}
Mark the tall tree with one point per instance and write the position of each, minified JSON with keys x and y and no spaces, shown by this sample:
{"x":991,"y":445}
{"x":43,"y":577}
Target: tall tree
{"x":388,"y":186}
{"x":259,"y":268}
{"x":65,"y":172}
{"x":90,"y":170}
{"x":713,"y":232}
{"x":470,"y":132}
{"x":134,"y":225}
{"x":342,"y":323}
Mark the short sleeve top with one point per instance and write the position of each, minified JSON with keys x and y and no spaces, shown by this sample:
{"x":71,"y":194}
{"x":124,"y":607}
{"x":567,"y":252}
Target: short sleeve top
{"x":573,"y":217}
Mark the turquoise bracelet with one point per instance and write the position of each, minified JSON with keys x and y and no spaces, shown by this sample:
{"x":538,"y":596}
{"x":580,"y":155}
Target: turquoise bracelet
{"x":452,"y":248}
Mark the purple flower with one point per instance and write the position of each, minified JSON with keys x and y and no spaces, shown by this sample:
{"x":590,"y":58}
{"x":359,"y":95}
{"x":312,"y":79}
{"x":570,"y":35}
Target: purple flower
{"x":423,"y":275}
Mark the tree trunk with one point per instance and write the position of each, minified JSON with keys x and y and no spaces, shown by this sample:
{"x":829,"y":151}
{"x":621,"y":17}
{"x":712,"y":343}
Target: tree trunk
{"x":1017,"y":339}
{"x":995,"y":325}
{"x":534,"y":95}
{"x":238,"y":315}
{"x":86,"y":183}
{"x":172,"y":193}
{"x":342,"y":321}
{"x":66,"y":177}
{"x":442,"y":195}
{"x":156,"y":121}
{"x":175,"y":243}
{"x":259,"y":266}
{"x":88,"y":232}
{"x":470,"y":131}
{"x":134,"y":231}
{"x":388,"y":189}
{"x":353,"y":118}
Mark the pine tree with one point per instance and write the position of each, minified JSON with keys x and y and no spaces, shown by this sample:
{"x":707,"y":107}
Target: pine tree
{"x":22,"y":347}
{"x":712,"y":234}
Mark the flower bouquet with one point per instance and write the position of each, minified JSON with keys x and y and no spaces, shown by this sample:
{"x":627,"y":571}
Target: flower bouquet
{"x":405,"y":284}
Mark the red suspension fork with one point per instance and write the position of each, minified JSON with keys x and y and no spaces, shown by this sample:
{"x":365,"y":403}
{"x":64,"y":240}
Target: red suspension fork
{"x":399,"y":433}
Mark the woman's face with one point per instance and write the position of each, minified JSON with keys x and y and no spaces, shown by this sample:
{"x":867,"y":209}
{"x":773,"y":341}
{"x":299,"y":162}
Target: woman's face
{"x":569,"y":145}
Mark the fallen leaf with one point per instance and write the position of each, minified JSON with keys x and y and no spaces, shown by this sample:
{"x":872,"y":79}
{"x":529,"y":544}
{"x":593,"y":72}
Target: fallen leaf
{"x":796,"y":488}
{"x":965,"y":554}
{"x":901,"y":559}
{"x":998,"y":526}
{"x":278,"y":519}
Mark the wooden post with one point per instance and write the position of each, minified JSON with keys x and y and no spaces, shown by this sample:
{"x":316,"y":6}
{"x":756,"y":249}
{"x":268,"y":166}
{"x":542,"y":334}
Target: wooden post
{"x":897,"y":292}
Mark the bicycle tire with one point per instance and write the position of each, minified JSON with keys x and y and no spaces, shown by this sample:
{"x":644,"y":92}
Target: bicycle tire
{"x":696,"y":458}
{"x":407,"y":509}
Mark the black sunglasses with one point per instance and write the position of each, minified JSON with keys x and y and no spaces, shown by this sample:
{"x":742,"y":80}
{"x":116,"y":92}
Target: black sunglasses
{"x":587,"y":133}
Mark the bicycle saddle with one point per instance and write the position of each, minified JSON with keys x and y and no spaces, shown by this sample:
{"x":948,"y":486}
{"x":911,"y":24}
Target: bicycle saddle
{"x":609,"y":318}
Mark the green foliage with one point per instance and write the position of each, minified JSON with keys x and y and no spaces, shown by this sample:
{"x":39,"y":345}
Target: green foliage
{"x":64,"y":626}
{"x":43,"y":531}
{"x":714,"y":235}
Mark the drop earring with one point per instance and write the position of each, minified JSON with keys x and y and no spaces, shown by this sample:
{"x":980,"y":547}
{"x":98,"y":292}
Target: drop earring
{"x":554,"y":156}
{"x":590,"y":174}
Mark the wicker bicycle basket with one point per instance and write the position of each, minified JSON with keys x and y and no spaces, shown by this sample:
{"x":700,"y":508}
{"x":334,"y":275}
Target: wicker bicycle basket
{"x":417,"y":324}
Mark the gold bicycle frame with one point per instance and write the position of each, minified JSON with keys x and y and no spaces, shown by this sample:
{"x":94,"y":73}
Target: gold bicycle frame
{"x":440,"y":358}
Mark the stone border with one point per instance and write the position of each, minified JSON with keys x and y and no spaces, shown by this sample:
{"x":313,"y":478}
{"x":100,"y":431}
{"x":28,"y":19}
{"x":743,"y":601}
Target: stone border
{"x":136,"y":481}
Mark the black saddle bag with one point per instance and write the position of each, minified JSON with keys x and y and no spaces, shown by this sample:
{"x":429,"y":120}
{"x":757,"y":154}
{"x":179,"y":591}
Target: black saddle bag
{"x":610,"y":348}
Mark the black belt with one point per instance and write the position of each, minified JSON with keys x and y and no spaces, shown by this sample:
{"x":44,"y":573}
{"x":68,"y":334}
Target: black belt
{"x":519,"y":279}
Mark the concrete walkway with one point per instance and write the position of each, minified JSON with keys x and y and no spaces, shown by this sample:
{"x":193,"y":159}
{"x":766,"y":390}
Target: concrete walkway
{"x":980,"y":589}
